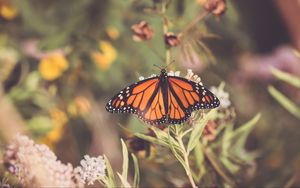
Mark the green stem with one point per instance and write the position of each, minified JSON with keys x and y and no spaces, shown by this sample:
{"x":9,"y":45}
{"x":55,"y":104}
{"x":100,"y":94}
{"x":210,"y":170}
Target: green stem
{"x":186,"y":160}
{"x":168,"y":51}
{"x":165,"y":31}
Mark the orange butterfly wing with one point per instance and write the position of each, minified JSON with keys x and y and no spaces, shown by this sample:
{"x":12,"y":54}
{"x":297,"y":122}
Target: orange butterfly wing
{"x":185,"y":96}
{"x":144,"y":98}
{"x":157,"y":103}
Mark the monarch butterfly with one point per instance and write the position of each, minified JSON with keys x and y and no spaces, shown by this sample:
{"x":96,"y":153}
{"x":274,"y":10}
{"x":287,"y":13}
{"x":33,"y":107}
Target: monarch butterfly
{"x":163,"y":99}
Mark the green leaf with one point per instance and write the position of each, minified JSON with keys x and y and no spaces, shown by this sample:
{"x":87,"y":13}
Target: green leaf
{"x":110,"y":174}
{"x":125,"y":160}
{"x":40,"y":125}
{"x":199,"y":159}
{"x":136,"y":180}
{"x":123,"y":181}
{"x":177,"y":151}
{"x":233,"y":145}
{"x":151,"y":139}
{"x":163,"y":136}
{"x":199,"y":155}
{"x":233,"y":168}
{"x":286,"y":77}
{"x":198,"y":129}
{"x":226,"y":139}
{"x":284,"y":101}
{"x":239,"y":136}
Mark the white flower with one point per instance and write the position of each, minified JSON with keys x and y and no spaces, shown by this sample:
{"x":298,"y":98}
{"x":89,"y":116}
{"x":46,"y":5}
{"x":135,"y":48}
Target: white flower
{"x":191,"y":76}
{"x":171,"y":73}
{"x":91,"y":169}
{"x":222,"y":96}
{"x":141,"y":78}
{"x":36,"y":165}
{"x":152,"y":75}
{"x":177,"y":73}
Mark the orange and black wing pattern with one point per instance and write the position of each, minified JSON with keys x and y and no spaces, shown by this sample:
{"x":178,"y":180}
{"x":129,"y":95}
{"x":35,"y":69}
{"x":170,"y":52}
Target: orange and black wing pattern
{"x":186,"y":96}
{"x":144,"y":98}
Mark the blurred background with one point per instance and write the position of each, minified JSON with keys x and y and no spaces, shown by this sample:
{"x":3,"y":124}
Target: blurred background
{"x":61,"y":61}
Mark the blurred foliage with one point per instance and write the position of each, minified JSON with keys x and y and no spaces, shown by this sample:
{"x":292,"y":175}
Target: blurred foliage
{"x":61,"y":61}
{"x":283,"y":100}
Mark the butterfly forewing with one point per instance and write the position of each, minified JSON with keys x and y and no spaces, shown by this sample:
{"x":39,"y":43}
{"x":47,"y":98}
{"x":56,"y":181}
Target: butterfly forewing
{"x":187,"y":96}
{"x":143,"y":98}
{"x":192,"y":95}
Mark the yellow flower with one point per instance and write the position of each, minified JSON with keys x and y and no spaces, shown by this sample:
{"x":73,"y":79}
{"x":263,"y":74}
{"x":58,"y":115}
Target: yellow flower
{"x":80,"y":106}
{"x":112,"y":32}
{"x":59,"y":120}
{"x":7,"y":11}
{"x":106,"y":57}
{"x":52,"y":66}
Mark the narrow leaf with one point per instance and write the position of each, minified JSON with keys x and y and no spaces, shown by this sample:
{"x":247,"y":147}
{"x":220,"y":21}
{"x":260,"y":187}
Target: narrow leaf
{"x":199,"y":159}
{"x":151,"y":139}
{"x":286,"y":77}
{"x":110,"y":173}
{"x":243,"y":131}
{"x":199,"y":155}
{"x":198,"y":129}
{"x":136,"y":180}
{"x":178,"y":153}
{"x":123,"y":181}
{"x":284,"y":101}
{"x":165,"y":137}
{"x":125,"y":160}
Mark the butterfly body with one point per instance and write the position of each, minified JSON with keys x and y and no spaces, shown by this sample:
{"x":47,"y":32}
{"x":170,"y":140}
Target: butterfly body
{"x":163,"y":99}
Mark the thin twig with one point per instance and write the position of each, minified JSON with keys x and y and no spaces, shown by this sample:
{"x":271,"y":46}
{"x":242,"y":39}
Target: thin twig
{"x":219,"y":169}
{"x":200,"y":17}
{"x":165,"y":31}
{"x":150,"y":46}
{"x":291,"y":181}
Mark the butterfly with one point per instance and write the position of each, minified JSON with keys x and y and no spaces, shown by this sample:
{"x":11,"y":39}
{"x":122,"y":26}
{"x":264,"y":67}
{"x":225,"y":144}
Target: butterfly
{"x":163,"y":99}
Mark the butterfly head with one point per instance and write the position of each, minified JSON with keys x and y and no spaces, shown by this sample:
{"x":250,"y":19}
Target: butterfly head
{"x":163,"y":73}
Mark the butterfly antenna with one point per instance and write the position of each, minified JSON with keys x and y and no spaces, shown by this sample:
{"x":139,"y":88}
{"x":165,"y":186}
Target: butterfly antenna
{"x":157,"y":66}
{"x":169,"y":64}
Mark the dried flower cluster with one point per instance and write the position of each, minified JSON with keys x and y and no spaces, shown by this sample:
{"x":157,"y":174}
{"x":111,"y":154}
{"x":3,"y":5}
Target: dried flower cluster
{"x":172,"y":39}
{"x":191,"y":76}
{"x":142,"y":31}
{"x":91,"y":169}
{"x":217,"y":7}
{"x":209,"y":131}
{"x":36,"y":165}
